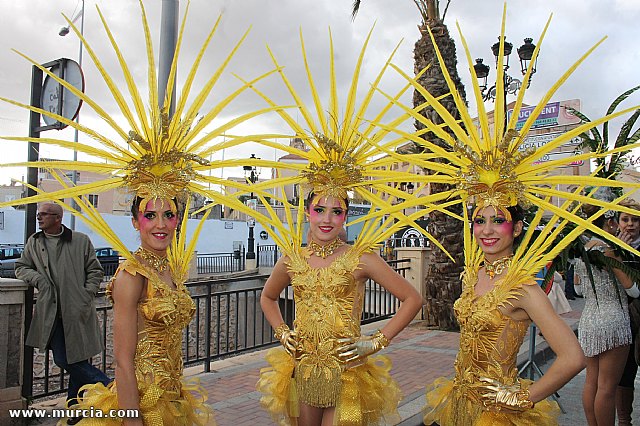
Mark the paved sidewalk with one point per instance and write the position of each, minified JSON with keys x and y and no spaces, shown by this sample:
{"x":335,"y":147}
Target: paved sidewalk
{"x":419,"y":355}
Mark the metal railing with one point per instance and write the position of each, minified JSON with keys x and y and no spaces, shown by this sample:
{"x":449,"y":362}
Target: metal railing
{"x":215,"y":263}
{"x":207,"y":263}
{"x":109,"y":270}
{"x":268,"y":255}
{"x":228,"y":321}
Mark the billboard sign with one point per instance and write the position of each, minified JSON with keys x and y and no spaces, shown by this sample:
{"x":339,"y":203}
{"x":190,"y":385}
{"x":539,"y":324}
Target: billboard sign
{"x":553,"y":114}
{"x":569,"y":149}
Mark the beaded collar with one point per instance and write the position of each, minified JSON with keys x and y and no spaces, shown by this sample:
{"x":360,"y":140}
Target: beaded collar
{"x":325,"y":250}
{"x":497,"y":266}
{"x":156,"y":262}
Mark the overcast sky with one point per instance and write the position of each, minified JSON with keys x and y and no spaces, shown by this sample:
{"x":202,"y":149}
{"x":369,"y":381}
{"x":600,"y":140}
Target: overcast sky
{"x":32,"y":26}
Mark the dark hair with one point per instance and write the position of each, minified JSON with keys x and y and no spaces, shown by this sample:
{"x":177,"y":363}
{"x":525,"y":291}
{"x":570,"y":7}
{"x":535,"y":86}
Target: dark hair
{"x":307,"y":202}
{"x":135,"y":206}
{"x":517,"y":213}
{"x":590,"y":210}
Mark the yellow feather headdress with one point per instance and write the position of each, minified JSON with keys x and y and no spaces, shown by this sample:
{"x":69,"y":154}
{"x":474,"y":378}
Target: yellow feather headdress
{"x":154,"y":155}
{"x":490,"y":167}
{"x":158,"y":155}
{"x":348,"y":155}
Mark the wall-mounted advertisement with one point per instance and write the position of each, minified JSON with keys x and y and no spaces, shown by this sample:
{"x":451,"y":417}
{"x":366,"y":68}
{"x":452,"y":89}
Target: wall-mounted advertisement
{"x":553,"y":114}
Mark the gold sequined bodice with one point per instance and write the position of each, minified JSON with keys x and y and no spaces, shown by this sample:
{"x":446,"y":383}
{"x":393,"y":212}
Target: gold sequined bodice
{"x":163,"y":315}
{"x":328,"y":306}
{"x":489,"y":340}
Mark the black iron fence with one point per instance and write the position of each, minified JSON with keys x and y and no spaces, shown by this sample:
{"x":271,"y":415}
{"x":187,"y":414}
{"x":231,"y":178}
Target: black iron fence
{"x":214,"y":263}
{"x":109,"y":271}
{"x":228,"y":321}
{"x":207,"y":263}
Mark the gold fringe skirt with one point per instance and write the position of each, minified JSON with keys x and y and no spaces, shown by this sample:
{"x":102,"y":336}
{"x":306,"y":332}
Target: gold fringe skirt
{"x":368,"y":394}
{"x":448,"y":406}
{"x":157,"y":406}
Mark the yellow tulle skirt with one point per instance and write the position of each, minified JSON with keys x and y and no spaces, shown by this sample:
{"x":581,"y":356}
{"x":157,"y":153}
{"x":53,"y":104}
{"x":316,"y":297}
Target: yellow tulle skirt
{"x":448,"y":406}
{"x":368,"y":394}
{"x":157,"y":406}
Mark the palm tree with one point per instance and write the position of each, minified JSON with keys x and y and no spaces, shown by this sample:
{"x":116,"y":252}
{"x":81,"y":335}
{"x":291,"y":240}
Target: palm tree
{"x":607,"y":167}
{"x":442,"y":283}
{"x":612,"y":165}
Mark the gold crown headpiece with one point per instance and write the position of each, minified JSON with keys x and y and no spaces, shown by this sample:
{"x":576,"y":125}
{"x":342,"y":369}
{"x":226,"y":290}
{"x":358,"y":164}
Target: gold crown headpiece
{"x":160,"y":175}
{"x":336,"y":173}
{"x":491,"y":179}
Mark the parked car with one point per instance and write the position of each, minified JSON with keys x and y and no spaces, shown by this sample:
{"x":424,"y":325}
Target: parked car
{"x":8,"y":255}
{"x":109,"y":259}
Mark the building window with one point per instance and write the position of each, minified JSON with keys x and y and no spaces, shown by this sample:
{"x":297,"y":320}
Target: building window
{"x":93,"y":199}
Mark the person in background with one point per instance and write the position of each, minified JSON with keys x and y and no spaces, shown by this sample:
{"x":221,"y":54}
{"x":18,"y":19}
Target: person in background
{"x":388,"y":251}
{"x":604,"y":331}
{"x":556,"y":295}
{"x":569,"y":290}
{"x":629,"y":232}
{"x":62,"y":265}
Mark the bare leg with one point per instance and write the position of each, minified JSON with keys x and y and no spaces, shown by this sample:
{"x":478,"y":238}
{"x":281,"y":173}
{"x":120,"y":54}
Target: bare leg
{"x":611,"y":365}
{"x":310,"y":416}
{"x":327,"y":417}
{"x":589,"y":390}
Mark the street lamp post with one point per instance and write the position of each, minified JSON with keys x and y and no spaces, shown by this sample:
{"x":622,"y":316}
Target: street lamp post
{"x":74,"y":177}
{"x":251,"y":174}
{"x":511,"y":85}
{"x":408,"y":188}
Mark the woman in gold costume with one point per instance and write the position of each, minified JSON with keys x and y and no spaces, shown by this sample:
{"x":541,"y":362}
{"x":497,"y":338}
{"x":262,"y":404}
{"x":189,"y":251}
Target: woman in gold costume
{"x":497,"y":305}
{"x":491,"y":167}
{"x":325,"y":374}
{"x":158,"y":156}
{"x":151,"y":308}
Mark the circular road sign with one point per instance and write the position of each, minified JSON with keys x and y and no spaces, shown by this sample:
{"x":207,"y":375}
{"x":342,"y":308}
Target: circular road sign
{"x":51,"y":92}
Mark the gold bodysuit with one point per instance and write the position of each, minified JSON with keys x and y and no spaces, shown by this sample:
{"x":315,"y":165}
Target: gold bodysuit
{"x":489,"y":344}
{"x":166,"y":399}
{"x":329,"y":303}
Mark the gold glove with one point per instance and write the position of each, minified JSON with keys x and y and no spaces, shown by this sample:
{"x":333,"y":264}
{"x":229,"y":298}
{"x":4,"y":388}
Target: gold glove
{"x":501,"y":396}
{"x":362,"y":347}
{"x":287,"y":337}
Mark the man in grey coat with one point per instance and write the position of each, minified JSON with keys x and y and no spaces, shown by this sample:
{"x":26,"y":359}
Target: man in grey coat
{"x":62,"y":265}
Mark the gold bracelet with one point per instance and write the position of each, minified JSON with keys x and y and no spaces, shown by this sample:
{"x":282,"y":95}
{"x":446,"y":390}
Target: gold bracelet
{"x":381,"y":339}
{"x":524,"y":400}
{"x":280,"y":330}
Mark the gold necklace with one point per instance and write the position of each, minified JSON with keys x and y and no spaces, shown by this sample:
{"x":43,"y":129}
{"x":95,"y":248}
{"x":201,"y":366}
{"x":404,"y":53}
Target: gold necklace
{"x":325,"y":250}
{"x":157,"y":262}
{"x":497,"y":266}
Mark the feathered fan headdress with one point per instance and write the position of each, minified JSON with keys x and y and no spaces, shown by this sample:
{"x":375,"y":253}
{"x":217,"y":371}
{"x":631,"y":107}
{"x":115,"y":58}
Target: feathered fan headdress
{"x":154,"y":155}
{"x":491,"y":167}
{"x":349,"y":155}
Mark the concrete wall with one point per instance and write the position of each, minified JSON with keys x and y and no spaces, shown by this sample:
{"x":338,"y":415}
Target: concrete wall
{"x":11,"y":346}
